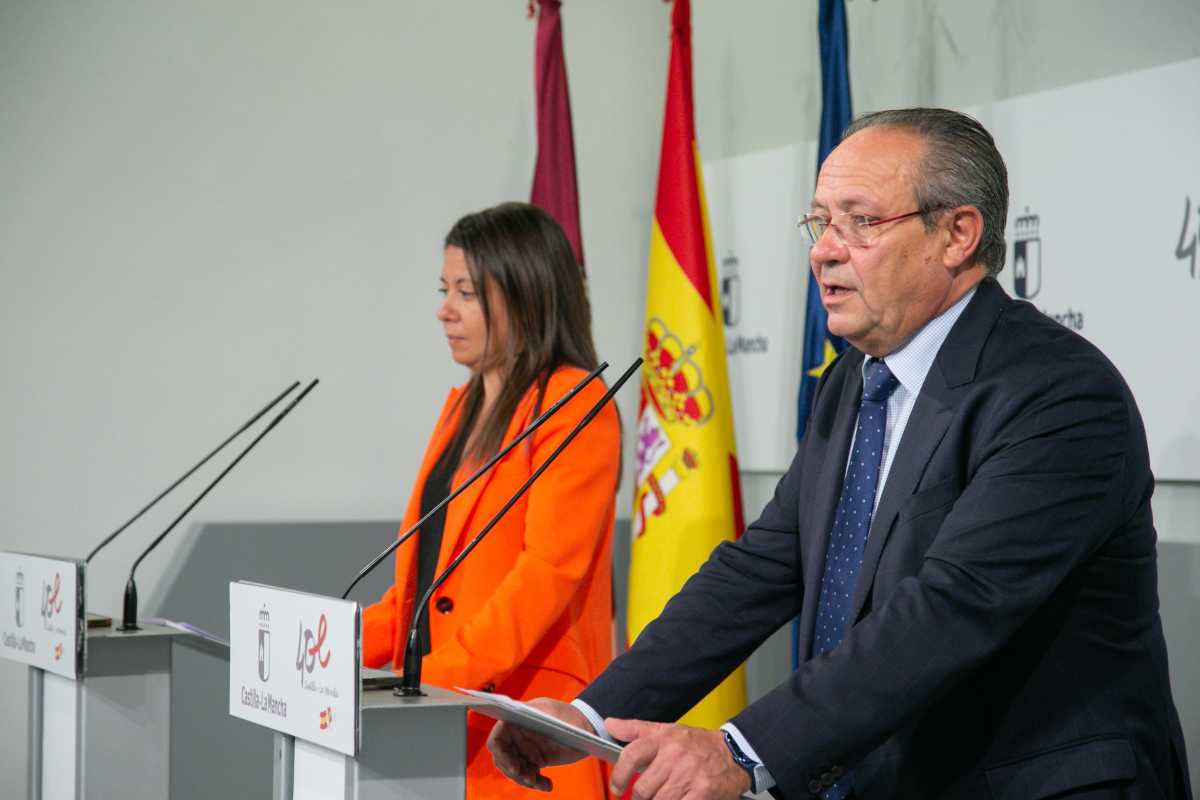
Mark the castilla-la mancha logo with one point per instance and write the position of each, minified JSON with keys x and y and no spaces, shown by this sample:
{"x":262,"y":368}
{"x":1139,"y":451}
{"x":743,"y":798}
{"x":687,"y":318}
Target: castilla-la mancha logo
{"x":19,"y":606}
{"x":1027,"y":255}
{"x":731,"y":292}
{"x":264,"y":644}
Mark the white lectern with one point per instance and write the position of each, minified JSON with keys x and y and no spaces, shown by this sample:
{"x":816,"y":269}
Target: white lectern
{"x":99,"y":700}
{"x":294,"y":668}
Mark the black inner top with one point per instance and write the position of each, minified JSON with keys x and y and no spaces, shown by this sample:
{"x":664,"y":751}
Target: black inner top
{"x":429,"y":538}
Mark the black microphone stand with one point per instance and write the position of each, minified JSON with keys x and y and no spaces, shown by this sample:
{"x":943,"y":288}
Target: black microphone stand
{"x":410,"y":685}
{"x":188,"y":474}
{"x":522,"y":436}
{"x":129,"y":616}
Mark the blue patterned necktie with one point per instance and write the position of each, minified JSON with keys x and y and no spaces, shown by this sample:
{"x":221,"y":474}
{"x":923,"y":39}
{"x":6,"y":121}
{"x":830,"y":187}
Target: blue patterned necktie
{"x":848,"y":539}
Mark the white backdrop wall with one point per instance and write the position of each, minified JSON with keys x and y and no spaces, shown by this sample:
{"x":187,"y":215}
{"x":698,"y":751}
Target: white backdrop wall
{"x":203,"y":201}
{"x":758,"y":88}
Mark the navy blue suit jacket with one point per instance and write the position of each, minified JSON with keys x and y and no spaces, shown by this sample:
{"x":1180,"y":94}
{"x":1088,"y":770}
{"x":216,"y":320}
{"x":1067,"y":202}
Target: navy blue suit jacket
{"x":1007,"y":642}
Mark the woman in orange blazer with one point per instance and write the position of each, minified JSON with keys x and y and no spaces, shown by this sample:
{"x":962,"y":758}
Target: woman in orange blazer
{"x":529,"y":611}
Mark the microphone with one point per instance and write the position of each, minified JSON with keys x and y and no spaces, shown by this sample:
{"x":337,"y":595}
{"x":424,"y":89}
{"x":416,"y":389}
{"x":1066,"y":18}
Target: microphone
{"x":410,"y":685}
{"x":129,"y":618}
{"x":188,"y":474}
{"x":522,"y":436}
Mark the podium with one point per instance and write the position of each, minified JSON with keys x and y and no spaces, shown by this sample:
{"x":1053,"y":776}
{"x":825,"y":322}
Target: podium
{"x":105,"y":733}
{"x":294,"y":667}
{"x":99,"y":699}
{"x":412,"y":747}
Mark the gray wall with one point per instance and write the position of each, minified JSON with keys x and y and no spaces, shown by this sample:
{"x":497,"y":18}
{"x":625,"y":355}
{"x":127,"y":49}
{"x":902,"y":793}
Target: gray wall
{"x":202,"y":201}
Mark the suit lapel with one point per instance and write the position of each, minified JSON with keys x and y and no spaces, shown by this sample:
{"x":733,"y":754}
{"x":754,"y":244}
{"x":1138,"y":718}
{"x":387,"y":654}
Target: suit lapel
{"x":953,"y":368}
{"x":455,"y":534}
{"x":926,"y":426}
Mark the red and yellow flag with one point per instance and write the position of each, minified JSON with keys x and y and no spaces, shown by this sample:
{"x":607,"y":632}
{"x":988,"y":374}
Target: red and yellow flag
{"x":687,"y":497}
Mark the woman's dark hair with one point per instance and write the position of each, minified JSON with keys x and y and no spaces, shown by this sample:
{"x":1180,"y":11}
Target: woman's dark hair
{"x":522,"y":252}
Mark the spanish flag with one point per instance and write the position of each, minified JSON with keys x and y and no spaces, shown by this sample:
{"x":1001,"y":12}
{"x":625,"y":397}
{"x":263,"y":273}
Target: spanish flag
{"x":687,"y":497}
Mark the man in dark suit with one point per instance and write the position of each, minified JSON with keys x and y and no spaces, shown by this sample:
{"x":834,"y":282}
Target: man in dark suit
{"x":965,"y":534}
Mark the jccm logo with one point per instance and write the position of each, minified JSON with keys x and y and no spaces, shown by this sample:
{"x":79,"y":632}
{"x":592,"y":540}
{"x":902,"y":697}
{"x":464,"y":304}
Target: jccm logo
{"x":51,"y":599}
{"x":311,"y":649}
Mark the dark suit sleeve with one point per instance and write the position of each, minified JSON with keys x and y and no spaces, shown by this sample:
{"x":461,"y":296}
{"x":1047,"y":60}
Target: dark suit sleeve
{"x":744,"y":592}
{"x":1046,"y":485}
{"x":740,"y":595}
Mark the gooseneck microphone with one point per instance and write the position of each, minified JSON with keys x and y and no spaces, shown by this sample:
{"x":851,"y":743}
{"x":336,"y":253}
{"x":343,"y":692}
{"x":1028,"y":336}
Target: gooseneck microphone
{"x":522,"y":436}
{"x":129,"y":617}
{"x":410,"y":685}
{"x":188,"y":474}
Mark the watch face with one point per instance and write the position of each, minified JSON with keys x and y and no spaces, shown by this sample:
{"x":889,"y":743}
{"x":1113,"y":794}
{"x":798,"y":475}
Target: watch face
{"x":744,"y":761}
{"x":740,"y":758}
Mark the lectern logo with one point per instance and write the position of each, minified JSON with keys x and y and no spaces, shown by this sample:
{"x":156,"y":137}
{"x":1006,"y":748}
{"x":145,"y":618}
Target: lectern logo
{"x":20,"y":603}
{"x":264,"y":644}
{"x":51,"y":601}
{"x":311,"y":650}
{"x":326,"y":718}
{"x":1027,"y":256}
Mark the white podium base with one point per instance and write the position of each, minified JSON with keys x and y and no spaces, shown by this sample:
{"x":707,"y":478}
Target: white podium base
{"x":412,"y":749}
{"x":108,"y":734}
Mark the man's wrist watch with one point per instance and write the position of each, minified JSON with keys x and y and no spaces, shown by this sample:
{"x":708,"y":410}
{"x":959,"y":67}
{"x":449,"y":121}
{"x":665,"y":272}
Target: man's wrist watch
{"x":744,"y":761}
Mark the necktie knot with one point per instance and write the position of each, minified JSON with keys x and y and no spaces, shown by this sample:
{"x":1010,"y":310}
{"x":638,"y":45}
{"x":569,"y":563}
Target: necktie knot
{"x":879,"y":381}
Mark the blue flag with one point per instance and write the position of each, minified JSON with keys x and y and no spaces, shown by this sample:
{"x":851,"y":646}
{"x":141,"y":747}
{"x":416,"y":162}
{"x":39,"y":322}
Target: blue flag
{"x":820,"y":346}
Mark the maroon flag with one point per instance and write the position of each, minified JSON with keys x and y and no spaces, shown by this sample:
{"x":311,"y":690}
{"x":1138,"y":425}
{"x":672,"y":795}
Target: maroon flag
{"x":554,"y":187}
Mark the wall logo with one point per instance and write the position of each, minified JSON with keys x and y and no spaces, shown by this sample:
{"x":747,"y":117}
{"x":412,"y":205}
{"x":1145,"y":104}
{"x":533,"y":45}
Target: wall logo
{"x":51,"y":601}
{"x":311,"y":650}
{"x":1027,"y":268}
{"x":326,"y":718}
{"x":264,"y":644}
{"x":731,"y":311}
{"x":20,"y":604}
{"x":1027,"y":256}
{"x":731,"y":291}
{"x":1185,"y":248}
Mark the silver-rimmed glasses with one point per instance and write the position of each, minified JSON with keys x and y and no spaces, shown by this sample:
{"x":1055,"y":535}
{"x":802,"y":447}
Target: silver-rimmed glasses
{"x":855,"y":230}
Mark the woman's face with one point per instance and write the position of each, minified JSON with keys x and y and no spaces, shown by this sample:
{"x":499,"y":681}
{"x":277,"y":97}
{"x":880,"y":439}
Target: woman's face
{"x":461,"y":313}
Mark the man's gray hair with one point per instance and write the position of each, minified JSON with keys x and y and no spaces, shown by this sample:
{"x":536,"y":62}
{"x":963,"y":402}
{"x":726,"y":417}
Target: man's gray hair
{"x":962,"y":167}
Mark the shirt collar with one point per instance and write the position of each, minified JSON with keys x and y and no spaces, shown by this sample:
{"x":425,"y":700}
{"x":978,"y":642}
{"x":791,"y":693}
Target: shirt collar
{"x":912,"y":362}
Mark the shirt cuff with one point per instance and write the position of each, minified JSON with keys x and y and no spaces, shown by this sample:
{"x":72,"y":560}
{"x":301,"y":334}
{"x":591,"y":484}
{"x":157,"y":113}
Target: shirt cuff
{"x":762,"y":776}
{"x":597,"y":722}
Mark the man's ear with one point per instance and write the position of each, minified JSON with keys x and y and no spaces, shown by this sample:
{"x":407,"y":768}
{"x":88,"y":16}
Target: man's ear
{"x":963,"y":231}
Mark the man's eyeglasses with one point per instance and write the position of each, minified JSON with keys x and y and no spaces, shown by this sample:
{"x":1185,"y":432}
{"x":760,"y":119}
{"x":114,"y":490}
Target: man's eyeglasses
{"x":855,"y":230}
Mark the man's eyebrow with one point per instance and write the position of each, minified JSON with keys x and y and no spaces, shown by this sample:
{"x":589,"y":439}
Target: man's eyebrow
{"x":854,"y":203}
{"x":857,"y":203}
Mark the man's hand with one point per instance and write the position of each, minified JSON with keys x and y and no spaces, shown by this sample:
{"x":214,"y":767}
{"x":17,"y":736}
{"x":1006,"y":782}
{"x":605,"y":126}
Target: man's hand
{"x":521,"y":754}
{"x":675,"y":761}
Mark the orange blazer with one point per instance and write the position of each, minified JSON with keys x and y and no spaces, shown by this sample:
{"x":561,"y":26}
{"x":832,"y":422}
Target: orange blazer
{"x":529,"y":612}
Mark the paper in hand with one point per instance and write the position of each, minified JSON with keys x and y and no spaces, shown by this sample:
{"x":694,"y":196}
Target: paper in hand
{"x":500,"y":706}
